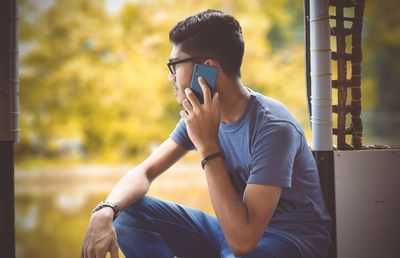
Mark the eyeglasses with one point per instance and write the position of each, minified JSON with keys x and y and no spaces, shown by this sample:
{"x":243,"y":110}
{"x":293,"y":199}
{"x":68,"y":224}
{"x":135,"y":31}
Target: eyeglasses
{"x":171,"y":64}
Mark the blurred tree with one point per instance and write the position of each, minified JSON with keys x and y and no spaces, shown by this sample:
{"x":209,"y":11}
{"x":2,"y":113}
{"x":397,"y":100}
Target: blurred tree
{"x":88,"y":78}
{"x":382,"y":52}
{"x":97,"y":82}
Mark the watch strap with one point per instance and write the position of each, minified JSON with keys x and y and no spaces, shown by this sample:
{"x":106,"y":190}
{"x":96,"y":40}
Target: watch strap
{"x":112,"y":205}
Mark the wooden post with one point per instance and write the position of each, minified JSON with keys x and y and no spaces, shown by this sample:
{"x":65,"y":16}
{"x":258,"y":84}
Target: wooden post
{"x":9,"y":114}
{"x":7,"y":214}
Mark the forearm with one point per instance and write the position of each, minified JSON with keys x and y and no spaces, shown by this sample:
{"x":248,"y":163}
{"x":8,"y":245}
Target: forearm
{"x":136,"y":183}
{"x":229,"y":208}
{"x":130,"y":188}
{"x":101,"y":235}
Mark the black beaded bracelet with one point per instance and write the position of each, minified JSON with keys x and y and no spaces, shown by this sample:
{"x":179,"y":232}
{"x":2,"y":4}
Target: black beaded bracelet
{"x":212,"y":156}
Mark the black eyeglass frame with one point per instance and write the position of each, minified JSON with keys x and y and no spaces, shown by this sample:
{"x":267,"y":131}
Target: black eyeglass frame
{"x":171,"y":64}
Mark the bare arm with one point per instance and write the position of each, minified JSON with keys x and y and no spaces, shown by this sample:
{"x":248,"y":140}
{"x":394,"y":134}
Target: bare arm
{"x":135,"y":184}
{"x":101,"y":237}
{"x":243,"y":221}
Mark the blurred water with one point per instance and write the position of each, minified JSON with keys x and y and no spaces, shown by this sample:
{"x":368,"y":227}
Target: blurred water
{"x":53,"y":206}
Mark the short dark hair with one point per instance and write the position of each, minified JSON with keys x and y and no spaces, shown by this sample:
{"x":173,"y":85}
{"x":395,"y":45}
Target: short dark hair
{"x":212,"y":34}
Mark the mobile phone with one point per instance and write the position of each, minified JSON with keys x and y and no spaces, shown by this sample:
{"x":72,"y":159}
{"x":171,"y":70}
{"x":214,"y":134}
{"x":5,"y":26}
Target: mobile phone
{"x":209,"y":73}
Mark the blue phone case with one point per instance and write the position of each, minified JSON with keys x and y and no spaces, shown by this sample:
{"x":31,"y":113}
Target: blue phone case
{"x":209,"y":73}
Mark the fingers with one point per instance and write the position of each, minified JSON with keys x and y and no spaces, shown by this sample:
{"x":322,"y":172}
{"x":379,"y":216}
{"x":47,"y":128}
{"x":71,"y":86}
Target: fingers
{"x":205,"y":89}
{"x":101,"y":254}
{"x":114,"y":250}
{"x":188,"y":107}
{"x":215,"y":101}
{"x":90,"y":252}
{"x":86,"y":252}
{"x":192,"y":98}
{"x":184,"y":114}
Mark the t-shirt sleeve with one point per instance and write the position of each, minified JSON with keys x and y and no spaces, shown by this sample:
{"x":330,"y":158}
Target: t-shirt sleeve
{"x":273,"y":152}
{"x":181,"y":137}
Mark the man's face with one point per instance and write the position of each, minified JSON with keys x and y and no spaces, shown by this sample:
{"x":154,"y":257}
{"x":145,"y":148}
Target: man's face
{"x":183,"y":73}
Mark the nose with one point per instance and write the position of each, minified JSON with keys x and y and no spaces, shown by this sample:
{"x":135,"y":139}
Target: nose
{"x":171,"y":77}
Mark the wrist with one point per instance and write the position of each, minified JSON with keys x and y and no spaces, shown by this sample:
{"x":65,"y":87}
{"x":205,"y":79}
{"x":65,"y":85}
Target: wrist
{"x":218,"y":154}
{"x":108,"y":206}
{"x":104,"y":213}
{"x":209,"y":149}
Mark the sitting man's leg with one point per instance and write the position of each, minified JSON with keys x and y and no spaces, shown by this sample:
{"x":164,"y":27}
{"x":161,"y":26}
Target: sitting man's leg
{"x":155,"y":228}
{"x":269,"y":246}
{"x":283,"y":245}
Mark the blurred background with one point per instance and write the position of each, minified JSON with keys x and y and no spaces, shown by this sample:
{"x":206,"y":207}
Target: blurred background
{"x":95,"y":99}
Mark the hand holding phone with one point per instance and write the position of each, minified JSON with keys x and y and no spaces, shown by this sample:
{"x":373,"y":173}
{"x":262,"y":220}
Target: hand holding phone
{"x":209,"y":73}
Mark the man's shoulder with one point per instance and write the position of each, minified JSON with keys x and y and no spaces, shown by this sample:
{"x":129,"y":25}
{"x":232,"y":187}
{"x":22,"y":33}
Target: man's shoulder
{"x":267,"y":108}
{"x":262,"y":98}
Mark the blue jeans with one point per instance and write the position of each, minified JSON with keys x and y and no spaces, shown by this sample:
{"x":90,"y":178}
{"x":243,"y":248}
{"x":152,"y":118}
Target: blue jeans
{"x":152,"y":228}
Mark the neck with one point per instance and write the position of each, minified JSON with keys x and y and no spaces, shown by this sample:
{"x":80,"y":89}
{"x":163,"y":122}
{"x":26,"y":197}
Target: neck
{"x":233,"y":99}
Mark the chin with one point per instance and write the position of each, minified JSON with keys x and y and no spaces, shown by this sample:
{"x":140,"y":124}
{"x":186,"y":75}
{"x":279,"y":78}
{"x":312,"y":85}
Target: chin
{"x":179,"y":99}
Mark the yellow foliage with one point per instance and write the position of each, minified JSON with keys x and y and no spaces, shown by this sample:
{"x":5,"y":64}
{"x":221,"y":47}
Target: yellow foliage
{"x":101,"y":78}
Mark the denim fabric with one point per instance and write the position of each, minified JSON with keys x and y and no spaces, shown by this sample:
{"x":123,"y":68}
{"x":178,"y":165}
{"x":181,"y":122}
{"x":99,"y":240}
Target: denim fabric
{"x":152,"y":228}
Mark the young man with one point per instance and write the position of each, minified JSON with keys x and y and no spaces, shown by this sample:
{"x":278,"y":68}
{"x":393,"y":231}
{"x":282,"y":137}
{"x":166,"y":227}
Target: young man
{"x":261,"y":175}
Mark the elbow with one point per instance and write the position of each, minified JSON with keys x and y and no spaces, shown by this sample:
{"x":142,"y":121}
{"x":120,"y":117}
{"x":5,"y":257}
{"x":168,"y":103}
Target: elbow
{"x":243,"y":247}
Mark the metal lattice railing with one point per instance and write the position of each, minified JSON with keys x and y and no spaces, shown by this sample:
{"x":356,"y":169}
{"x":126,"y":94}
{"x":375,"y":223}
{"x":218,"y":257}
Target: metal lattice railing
{"x":347,"y":28}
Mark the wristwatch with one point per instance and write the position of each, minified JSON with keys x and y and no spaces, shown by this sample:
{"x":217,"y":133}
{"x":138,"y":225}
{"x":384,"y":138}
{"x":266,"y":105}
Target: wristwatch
{"x":113,"y":206}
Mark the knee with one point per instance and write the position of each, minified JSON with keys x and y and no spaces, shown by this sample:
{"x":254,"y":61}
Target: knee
{"x":135,"y":214}
{"x":142,"y":207}
{"x":141,"y":204}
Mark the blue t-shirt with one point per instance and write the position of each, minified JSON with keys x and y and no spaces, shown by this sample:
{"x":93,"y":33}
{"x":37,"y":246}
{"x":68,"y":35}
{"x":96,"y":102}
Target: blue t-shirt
{"x":267,"y":146}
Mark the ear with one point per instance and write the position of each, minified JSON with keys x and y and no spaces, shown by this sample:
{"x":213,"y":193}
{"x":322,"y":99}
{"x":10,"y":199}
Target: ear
{"x":212,"y":62}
